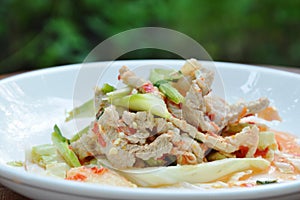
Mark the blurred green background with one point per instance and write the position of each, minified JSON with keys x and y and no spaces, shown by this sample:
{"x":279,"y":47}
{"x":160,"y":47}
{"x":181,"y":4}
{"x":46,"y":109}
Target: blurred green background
{"x":43,"y":33}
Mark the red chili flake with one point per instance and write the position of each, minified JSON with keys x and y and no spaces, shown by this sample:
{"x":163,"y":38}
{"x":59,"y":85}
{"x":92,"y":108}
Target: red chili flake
{"x":248,"y":115}
{"x":95,"y":129}
{"x":279,"y":146}
{"x":247,"y":185}
{"x":90,"y":153}
{"x":180,"y":105}
{"x":99,"y":171}
{"x":262,"y":153}
{"x":127,"y":130}
{"x":199,"y":129}
{"x":211,"y":116}
{"x":77,"y":177}
{"x":241,"y":153}
{"x":101,"y":141}
{"x":148,"y":88}
{"x":119,"y":77}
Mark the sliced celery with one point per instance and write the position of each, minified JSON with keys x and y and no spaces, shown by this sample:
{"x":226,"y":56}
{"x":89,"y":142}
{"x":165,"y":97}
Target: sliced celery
{"x":85,"y":110}
{"x":161,"y":78}
{"x":106,"y":88}
{"x":119,"y":93}
{"x":16,"y":163}
{"x":79,"y":134}
{"x":144,"y":102}
{"x":164,"y":74}
{"x":171,"y":92}
{"x":61,"y":143}
{"x":44,"y":154}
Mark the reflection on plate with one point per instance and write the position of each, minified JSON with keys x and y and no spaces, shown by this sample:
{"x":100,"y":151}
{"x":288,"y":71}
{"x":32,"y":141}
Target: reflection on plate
{"x":32,"y":102}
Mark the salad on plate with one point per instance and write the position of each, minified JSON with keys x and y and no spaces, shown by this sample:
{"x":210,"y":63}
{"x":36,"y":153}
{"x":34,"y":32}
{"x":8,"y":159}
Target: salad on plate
{"x":170,"y":131}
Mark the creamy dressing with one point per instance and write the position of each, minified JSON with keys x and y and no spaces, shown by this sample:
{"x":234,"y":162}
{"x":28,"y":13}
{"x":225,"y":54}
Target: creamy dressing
{"x":288,"y":144}
{"x":289,"y":147}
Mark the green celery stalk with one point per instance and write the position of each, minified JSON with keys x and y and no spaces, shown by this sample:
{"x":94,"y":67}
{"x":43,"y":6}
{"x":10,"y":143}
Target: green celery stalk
{"x":164,"y":74}
{"x":106,"y":88}
{"x":79,"y":134}
{"x":144,"y":102}
{"x":171,"y":92}
{"x":44,"y":154}
{"x":85,"y":110}
{"x":119,"y":93}
{"x":62,"y":145}
{"x":16,"y":163}
{"x":161,"y":78}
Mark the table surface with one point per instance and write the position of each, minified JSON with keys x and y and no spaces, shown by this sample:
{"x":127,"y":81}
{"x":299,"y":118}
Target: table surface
{"x":7,"y":194}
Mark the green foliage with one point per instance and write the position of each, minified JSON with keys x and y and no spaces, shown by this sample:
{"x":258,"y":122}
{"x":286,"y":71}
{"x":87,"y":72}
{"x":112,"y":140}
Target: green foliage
{"x":42,"y":33}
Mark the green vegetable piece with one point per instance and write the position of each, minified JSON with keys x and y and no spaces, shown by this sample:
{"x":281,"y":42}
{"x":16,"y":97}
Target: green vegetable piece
{"x":155,"y":162}
{"x":171,"y":92}
{"x":15,"y":163}
{"x":161,"y":79}
{"x":215,"y":156}
{"x":119,"y":93}
{"x":144,"y":102}
{"x":61,"y":143}
{"x":232,"y":129}
{"x":79,"y":134}
{"x":164,"y":74}
{"x":265,"y":182}
{"x":44,"y":154}
{"x":267,"y":140}
{"x":106,"y":88}
{"x":85,"y":110}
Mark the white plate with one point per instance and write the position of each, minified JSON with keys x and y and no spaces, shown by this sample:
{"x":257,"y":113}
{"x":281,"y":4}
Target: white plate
{"x":31,"y":103}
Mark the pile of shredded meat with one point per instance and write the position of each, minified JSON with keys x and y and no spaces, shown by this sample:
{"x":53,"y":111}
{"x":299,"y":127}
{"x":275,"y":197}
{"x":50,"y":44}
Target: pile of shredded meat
{"x":200,"y":129}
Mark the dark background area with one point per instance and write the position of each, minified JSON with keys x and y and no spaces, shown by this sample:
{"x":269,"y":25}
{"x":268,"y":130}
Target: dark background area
{"x":36,"y":34}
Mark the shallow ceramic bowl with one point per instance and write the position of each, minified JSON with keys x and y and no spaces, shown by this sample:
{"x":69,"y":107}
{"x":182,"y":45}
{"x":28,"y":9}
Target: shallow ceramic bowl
{"x":31,"y":103}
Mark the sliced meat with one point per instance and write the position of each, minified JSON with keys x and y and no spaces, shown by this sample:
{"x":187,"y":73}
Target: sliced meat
{"x":120,"y":157}
{"x":247,"y":137}
{"x":87,"y":145}
{"x":110,"y":117}
{"x":217,"y":110}
{"x":160,"y":146}
{"x":242,"y":109}
{"x":194,"y":109}
{"x":174,"y":109}
{"x":190,"y":66}
{"x":129,"y":78}
{"x":140,"y":120}
{"x":188,"y":144}
{"x":203,"y":77}
{"x":163,"y":126}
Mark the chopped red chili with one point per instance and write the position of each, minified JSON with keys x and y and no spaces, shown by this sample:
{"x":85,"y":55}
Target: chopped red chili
{"x":95,"y":129}
{"x":77,"y":177}
{"x":127,"y":130}
{"x":97,"y":170}
{"x":261,"y":153}
{"x":148,"y":88}
{"x":241,"y":153}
